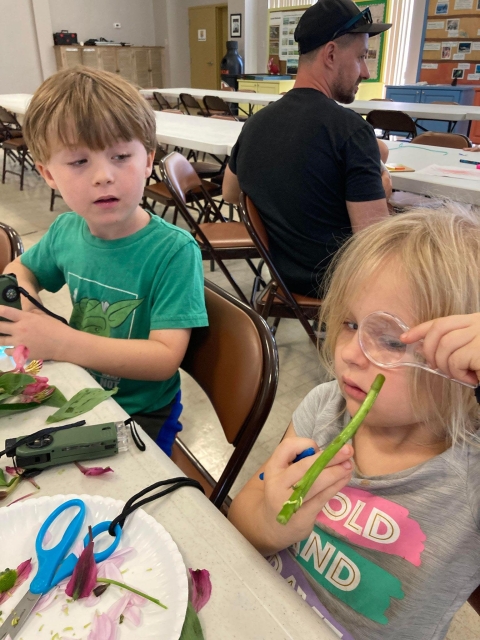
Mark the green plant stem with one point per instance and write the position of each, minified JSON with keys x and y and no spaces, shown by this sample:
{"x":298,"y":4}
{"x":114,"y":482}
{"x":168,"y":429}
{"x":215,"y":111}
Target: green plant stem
{"x":125,"y":586}
{"x":304,"y":485}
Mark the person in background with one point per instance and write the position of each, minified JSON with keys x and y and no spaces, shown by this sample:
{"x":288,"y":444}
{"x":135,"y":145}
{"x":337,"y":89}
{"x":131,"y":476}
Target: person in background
{"x":135,"y":281}
{"x":387,"y":541}
{"x":311,"y":166}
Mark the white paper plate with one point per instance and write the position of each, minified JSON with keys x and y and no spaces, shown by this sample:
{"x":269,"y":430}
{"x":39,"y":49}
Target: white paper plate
{"x":154,"y":567}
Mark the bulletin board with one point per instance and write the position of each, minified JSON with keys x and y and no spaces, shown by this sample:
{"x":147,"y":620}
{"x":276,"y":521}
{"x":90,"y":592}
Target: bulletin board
{"x":281,"y":41}
{"x":451,"y":47}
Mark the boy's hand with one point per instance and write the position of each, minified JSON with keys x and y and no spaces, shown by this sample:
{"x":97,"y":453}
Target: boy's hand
{"x":451,"y":344}
{"x":43,"y":335}
{"x":280,"y":475}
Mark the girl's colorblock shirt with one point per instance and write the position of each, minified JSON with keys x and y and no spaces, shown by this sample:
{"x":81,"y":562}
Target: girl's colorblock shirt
{"x":391,"y":556}
{"x":125,"y":288}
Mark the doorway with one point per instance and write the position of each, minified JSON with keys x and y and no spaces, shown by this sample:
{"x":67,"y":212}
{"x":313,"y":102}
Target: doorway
{"x":207,"y":35}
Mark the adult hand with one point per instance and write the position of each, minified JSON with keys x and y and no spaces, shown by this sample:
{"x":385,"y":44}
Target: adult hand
{"x":476,"y":147}
{"x":45,"y":337}
{"x":280,"y":475}
{"x":451,"y":344}
{"x":387,"y":184}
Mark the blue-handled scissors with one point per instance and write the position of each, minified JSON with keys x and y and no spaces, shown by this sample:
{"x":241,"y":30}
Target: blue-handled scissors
{"x":55,"y":564}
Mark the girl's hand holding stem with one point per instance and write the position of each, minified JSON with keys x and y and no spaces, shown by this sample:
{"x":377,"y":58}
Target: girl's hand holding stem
{"x":279,"y":477}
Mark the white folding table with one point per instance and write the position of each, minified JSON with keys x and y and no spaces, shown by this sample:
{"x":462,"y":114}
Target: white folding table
{"x":419,"y":156}
{"x":249,"y":599}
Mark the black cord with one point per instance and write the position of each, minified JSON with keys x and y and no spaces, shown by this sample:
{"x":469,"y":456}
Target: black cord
{"x":40,"y":306}
{"x":477,"y":393}
{"x":139,"y":443}
{"x":130,"y":505}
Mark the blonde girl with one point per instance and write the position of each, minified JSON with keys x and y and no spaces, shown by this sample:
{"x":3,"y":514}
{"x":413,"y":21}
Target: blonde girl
{"x":387,"y":543}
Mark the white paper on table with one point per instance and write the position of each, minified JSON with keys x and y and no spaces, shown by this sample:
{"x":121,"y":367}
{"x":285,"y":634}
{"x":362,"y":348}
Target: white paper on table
{"x":451,"y":172}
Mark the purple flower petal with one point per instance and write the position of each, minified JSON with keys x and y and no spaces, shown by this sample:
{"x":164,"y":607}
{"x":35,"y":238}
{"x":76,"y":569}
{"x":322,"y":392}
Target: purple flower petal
{"x":93,"y":471}
{"x":133,"y":615}
{"x":201,"y":588}
{"x":84,"y":577}
{"x":22,"y":498}
{"x":20,"y":356}
{"x":23,"y":571}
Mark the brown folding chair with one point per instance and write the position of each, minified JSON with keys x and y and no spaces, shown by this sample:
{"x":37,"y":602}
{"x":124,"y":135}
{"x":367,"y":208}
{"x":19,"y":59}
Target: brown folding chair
{"x":440,"y":139}
{"x":474,"y":600}
{"x":389,"y":121}
{"x":276,"y":300}
{"x":161,"y":101}
{"x":191,"y":105}
{"x":235,"y":361}
{"x":219,"y":240}
{"x":216,"y":106}
{"x":11,"y":245}
{"x":159,"y":192}
{"x":13,"y":145}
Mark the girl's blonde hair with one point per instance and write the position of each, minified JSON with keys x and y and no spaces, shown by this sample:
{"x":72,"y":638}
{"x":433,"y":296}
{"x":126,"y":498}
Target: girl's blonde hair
{"x":88,"y":107}
{"x":438,"y":251}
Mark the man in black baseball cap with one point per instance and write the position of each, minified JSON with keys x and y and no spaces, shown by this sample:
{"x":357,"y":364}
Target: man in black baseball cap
{"x":311,"y":166}
{"x":331,"y":19}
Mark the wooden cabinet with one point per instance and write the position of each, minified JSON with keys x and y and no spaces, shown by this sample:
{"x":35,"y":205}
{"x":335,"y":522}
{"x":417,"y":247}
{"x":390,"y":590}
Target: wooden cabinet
{"x":142,"y":66}
{"x":264,"y":86}
{"x":434,"y":93}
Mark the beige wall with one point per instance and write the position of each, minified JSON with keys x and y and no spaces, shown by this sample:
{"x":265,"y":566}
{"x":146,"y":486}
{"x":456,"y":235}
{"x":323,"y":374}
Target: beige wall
{"x":20,"y":66}
{"x":95,"y":18}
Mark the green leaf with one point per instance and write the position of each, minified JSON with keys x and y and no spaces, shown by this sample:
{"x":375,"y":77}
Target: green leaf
{"x":16,"y":407}
{"x":7,"y":579}
{"x":56,"y":399}
{"x":4,"y":396}
{"x":3,"y":482}
{"x":11,"y":382}
{"x":83,"y":401}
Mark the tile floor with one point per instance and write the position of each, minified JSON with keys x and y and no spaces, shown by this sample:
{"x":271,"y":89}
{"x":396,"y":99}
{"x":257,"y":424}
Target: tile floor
{"x":28,"y":213}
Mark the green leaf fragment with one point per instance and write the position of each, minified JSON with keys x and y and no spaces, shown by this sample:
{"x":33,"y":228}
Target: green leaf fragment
{"x":12,"y":382}
{"x":7,"y":579}
{"x":83,"y":401}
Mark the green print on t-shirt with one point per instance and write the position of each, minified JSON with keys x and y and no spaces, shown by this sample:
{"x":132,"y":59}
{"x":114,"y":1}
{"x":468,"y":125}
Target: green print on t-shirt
{"x":98,"y":318}
{"x":358,"y":582}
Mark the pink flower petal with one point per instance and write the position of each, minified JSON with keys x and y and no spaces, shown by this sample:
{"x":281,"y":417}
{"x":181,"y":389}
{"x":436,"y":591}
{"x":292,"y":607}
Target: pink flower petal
{"x":23,"y":571}
{"x":22,"y":498}
{"x":12,"y":471}
{"x":111,"y":571}
{"x":117,"y":608}
{"x":46,"y":601}
{"x":20,"y":356}
{"x":201,"y":588}
{"x":93,"y":471}
{"x":133,"y":615}
{"x":118,"y":557}
{"x":103,"y":629}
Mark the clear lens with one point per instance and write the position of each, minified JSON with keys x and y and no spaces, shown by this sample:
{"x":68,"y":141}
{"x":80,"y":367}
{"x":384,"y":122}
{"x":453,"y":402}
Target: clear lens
{"x":379,"y":335}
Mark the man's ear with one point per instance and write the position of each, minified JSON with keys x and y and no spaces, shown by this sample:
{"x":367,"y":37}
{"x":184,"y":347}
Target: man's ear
{"x":46,"y":175}
{"x":149,"y":165}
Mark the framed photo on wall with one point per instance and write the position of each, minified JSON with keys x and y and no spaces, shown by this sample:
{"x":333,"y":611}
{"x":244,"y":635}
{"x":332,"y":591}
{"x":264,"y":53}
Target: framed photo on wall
{"x":235,"y":25}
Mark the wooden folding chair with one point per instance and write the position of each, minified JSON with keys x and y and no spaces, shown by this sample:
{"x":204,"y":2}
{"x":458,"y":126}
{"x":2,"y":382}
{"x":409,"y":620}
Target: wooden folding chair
{"x":276,"y":300}
{"x":440,"y":139}
{"x":392,"y":121}
{"x":219,"y":240}
{"x":235,"y":361}
{"x":11,"y":245}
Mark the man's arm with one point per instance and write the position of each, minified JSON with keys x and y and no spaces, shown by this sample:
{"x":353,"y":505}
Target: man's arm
{"x":363,"y":214}
{"x":48,"y":339}
{"x":230,"y":187}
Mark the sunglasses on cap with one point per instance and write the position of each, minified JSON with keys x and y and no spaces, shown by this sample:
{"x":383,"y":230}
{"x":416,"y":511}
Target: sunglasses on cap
{"x":362,"y":18}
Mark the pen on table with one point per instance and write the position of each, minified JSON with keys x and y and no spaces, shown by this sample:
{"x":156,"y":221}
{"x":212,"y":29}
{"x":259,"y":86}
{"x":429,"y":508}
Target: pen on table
{"x":475,"y":162}
{"x":305,"y":454}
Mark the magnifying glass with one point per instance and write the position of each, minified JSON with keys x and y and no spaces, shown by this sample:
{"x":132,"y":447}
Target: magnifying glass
{"x":379,"y":337}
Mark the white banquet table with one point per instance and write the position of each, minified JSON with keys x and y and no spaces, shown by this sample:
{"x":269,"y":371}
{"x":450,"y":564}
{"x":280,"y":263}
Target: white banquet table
{"x":420,"y":156}
{"x":201,"y":134}
{"x":249,"y":600}
{"x":228,"y":96}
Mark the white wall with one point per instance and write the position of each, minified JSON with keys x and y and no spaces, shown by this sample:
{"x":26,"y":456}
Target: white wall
{"x":95,"y":18}
{"x":20,"y":67}
{"x":415,"y":41}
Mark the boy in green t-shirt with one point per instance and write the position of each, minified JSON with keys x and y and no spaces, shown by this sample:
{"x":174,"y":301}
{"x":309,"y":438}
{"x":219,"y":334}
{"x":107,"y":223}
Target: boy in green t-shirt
{"x":136,"y":282}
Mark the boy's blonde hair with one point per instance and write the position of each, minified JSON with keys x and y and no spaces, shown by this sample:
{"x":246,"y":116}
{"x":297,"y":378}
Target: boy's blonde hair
{"x":87,"y":107}
{"x":438,"y":251}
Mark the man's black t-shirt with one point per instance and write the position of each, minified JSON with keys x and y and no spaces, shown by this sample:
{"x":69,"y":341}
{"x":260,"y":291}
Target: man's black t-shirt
{"x":300,"y":159}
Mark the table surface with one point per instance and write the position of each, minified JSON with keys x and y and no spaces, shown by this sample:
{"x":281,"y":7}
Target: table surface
{"x":249,"y":600}
{"x":419,"y":156}
{"x":193,"y":132}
